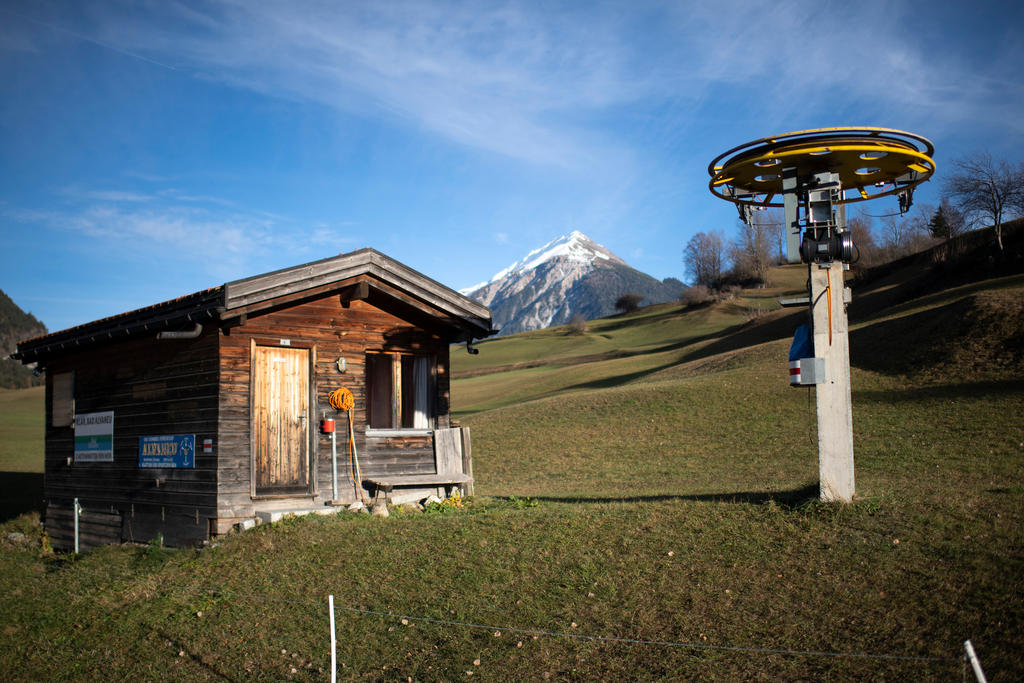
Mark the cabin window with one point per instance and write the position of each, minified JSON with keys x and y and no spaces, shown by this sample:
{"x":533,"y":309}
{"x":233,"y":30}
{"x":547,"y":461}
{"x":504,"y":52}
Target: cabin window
{"x":62,"y":400}
{"x":398,"y":391}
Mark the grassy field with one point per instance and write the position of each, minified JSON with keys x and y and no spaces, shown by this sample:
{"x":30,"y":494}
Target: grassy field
{"x":646,"y":510}
{"x":21,"y":451}
{"x":21,"y":430}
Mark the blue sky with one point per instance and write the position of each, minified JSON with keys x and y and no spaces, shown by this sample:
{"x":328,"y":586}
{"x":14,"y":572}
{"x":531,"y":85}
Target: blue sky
{"x":153,"y":149}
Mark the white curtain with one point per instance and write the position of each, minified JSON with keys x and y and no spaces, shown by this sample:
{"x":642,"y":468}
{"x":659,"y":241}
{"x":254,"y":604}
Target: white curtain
{"x":421,"y":387}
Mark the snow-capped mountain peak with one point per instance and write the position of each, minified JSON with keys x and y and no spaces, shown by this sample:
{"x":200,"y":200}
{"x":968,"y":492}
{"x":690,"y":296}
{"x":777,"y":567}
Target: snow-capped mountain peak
{"x":570,"y":274}
{"x":574,"y":247}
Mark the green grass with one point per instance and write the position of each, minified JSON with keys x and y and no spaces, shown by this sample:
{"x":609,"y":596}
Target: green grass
{"x":21,"y":429}
{"x":21,"y":451}
{"x":663,"y":495}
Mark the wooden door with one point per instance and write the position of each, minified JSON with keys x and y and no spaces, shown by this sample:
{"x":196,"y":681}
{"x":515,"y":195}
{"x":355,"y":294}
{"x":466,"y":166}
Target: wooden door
{"x":280,"y":419}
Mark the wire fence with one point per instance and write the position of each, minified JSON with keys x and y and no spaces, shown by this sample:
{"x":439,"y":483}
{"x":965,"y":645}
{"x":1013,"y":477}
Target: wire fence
{"x":324,"y":610}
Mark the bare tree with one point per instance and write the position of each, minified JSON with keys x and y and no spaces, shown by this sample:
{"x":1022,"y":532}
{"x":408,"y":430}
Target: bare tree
{"x":986,"y":190}
{"x":752,"y":252}
{"x":867,"y":251}
{"x":577,"y":325}
{"x":905,"y":235}
{"x":704,"y":258}
{"x":894,"y":236}
{"x":775,"y":222}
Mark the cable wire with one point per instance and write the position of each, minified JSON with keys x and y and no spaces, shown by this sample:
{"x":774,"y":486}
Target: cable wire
{"x":562,"y":634}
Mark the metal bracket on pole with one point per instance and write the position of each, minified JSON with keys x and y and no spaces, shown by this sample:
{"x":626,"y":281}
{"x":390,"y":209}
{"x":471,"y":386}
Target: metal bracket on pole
{"x":334,"y":465}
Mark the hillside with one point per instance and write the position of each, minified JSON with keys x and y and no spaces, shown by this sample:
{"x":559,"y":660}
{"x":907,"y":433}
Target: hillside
{"x":645,"y":510}
{"x":16,"y":325}
{"x":940,"y":311}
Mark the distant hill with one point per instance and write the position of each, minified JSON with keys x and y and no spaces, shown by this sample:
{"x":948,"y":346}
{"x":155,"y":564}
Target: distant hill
{"x":569,"y":275}
{"x":16,"y":325}
{"x":953,"y":313}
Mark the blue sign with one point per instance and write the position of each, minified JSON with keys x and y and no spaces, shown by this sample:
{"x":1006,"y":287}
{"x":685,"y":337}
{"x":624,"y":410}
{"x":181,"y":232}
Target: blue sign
{"x":169,"y":450}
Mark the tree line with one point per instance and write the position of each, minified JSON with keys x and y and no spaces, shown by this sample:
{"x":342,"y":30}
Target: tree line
{"x":978,"y":192}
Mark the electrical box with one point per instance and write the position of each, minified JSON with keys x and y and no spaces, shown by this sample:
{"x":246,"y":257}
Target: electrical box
{"x":806,"y":371}
{"x":804,"y":368}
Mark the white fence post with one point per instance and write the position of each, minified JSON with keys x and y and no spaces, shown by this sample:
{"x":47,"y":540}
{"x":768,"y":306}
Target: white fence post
{"x":76,"y":510}
{"x":334,"y":642}
{"x":975,"y":664}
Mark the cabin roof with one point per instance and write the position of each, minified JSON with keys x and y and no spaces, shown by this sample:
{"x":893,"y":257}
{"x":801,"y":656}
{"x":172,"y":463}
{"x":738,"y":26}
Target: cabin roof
{"x":364,"y":273}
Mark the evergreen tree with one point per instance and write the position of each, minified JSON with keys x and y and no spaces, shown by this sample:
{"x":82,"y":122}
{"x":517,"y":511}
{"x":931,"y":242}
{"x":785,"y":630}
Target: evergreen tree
{"x":939,"y":225}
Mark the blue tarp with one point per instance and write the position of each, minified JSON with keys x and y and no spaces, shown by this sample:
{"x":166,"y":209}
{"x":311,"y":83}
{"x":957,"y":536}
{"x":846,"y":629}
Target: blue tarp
{"x":801,"y":346}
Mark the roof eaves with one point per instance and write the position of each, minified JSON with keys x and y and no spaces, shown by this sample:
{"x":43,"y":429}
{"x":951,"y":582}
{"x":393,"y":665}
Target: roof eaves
{"x":155,"y":318}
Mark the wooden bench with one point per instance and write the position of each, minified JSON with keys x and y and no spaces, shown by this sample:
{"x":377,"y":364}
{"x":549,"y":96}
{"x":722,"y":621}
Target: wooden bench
{"x":385,"y":485}
{"x":448,"y":465}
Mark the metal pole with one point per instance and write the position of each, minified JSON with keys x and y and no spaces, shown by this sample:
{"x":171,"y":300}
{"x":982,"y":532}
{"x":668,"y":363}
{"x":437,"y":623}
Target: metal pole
{"x":76,"y":510}
{"x":975,"y":664}
{"x":334,"y":465}
{"x":334,"y":642}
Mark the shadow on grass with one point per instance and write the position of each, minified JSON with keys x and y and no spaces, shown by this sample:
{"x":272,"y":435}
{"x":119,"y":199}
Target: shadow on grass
{"x":1000,"y":388}
{"x":20,"y":492}
{"x":196,"y":657}
{"x":793,"y":498}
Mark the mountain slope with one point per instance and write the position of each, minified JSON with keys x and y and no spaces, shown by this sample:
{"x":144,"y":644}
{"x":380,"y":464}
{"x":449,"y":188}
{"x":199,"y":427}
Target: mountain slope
{"x":15,"y":325}
{"x":567,"y":276}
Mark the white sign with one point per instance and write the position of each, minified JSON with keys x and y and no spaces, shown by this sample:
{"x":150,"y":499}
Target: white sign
{"x":94,"y":437}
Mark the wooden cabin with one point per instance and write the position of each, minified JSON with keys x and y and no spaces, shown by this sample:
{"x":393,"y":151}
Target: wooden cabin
{"x":190,"y":416}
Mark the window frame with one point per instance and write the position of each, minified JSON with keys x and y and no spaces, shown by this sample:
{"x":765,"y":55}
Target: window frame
{"x":396,"y":393}
{"x":62,"y":399}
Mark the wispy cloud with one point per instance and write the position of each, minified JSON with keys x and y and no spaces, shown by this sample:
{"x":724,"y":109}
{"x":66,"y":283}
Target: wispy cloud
{"x":506,"y":78}
{"x":589,"y":86}
{"x":226,"y":242}
{"x":115,"y":196}
{"x":536,"y":81}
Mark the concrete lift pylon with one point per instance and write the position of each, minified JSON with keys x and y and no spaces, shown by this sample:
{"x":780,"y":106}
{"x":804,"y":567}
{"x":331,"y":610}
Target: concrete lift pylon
{"x":812,"y":175}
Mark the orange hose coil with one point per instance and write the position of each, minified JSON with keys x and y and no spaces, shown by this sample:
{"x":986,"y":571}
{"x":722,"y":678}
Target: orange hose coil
{"x":341,"y":399}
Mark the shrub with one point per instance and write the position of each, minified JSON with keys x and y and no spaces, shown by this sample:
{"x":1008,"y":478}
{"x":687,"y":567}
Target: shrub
{"x":697,"y":295}
{"x":577,"y":325}
{"x":627,"y":303}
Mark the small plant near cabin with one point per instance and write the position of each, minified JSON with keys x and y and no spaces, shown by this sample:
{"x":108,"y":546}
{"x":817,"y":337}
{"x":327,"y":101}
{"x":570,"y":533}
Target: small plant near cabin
{"x":154,"y":553}
{"x":450,"y":504}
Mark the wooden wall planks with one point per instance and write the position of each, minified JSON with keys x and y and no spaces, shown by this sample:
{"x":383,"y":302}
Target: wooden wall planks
{"x":154,"y":388}
{"x":204,"y":387}
{"x":332,"y":331}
